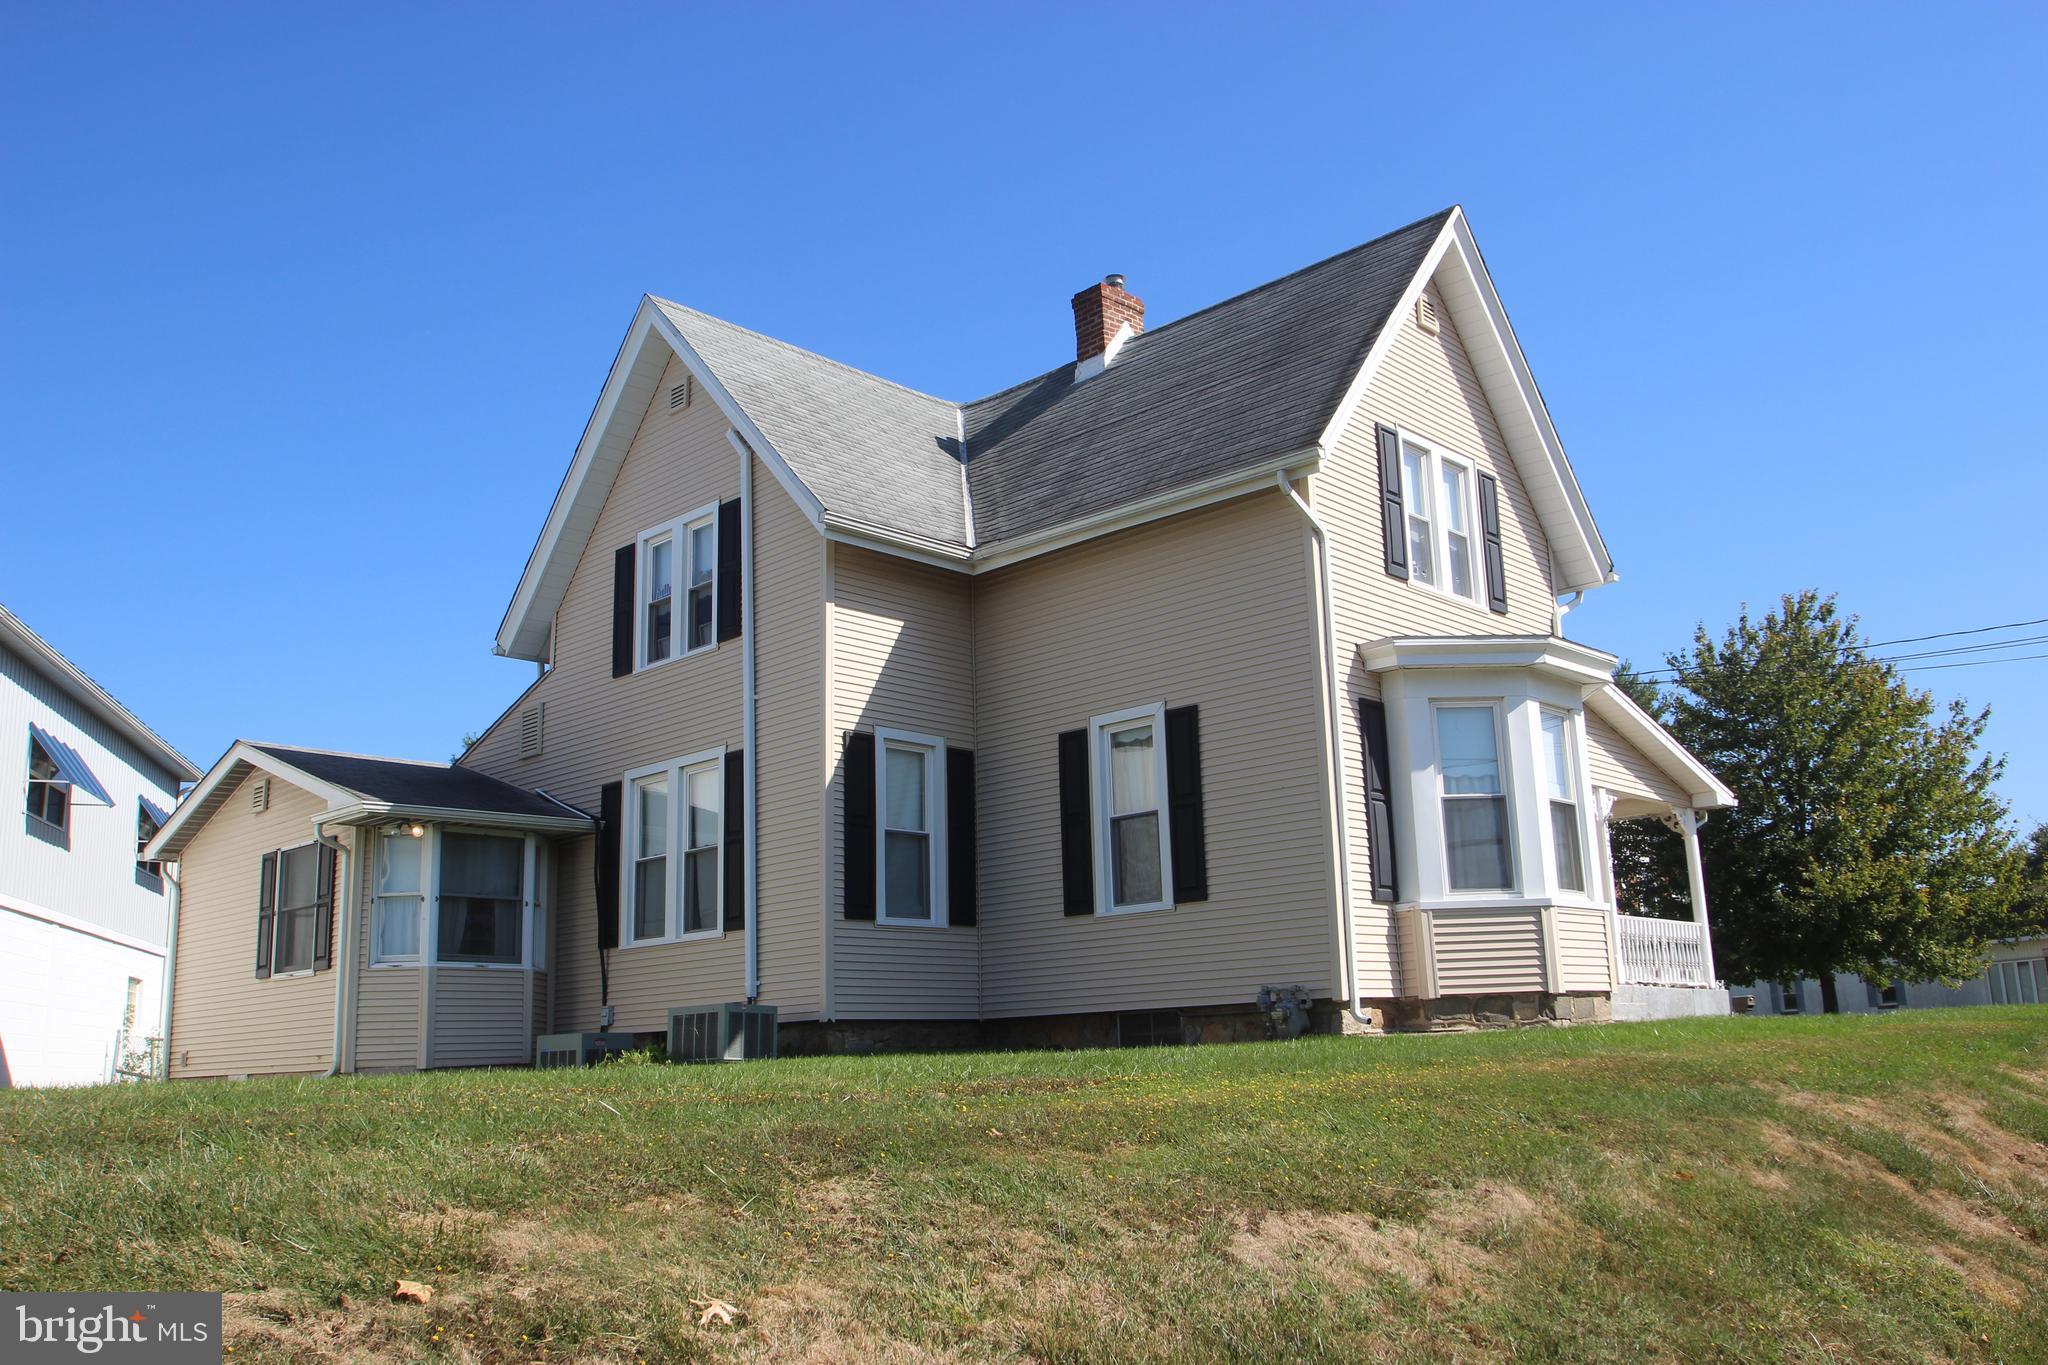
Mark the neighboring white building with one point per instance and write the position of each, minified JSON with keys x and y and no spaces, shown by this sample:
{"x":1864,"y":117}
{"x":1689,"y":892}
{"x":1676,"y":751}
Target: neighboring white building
{"x":82,"y":921}
{"x":2015,"y":973}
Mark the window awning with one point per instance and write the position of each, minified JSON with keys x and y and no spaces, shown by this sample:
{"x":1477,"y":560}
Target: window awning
{"x":71,"y":768}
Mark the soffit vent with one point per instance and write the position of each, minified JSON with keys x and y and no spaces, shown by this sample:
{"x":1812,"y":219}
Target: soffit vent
{"x":679,"y":395}
{"x":531,"y":723}
{"x":259,"y":795}
{"x":1425,"y":313}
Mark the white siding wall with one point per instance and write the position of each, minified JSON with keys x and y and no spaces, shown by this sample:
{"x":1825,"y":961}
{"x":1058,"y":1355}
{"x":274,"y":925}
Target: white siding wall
{"x":63,"y":992}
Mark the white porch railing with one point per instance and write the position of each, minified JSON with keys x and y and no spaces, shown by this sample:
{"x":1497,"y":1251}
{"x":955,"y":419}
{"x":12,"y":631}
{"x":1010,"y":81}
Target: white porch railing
{"x":1662,"y":952}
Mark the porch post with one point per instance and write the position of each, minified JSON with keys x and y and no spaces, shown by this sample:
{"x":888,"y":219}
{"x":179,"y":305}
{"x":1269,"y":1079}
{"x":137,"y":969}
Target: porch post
{"x":1689,"y":822}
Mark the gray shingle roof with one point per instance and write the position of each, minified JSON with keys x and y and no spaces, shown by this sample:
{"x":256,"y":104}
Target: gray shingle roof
{"x":1244,"y":381}
{"x":404,"y":783}
{"x":869,"y":449}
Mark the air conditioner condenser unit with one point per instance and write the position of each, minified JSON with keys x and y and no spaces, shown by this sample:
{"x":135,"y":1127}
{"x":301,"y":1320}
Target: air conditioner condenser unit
{"x":721,"y":1033}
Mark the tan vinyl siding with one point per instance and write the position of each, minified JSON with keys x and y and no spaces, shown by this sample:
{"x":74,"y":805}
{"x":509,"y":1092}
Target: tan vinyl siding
{"x":902,"y":658}
{"x":1427,"y":386}
{"x":1584,"y":962}
{"x":224,"y":1021}
{"x":1213,"y":609}
{"x":1617,"y":766}
{"x":599,"y":727}
{"x":389,"y":1004}
{"x":480,"y":1017}
{"x":1487,"y":951}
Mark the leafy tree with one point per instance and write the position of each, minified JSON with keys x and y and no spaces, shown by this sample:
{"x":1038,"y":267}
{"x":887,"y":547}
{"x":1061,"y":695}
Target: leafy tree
{"x":2031,"y":912}
{"x":1649,"y":858}
{"x":1869,"y":839}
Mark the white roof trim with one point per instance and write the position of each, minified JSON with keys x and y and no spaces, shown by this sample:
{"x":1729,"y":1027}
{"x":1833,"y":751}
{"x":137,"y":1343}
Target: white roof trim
{"x":1552,"y":654}
{"x":73,"y":682}
{"x":372,"y":812}
{"x":1454,"y":263}
{"x":241,"y":757}
{"x":628,"y":388}
{"x":1655,"y":743}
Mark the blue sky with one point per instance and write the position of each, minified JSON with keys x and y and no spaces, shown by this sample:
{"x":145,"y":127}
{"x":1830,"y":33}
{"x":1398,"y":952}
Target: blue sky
{"x":304,"y":307}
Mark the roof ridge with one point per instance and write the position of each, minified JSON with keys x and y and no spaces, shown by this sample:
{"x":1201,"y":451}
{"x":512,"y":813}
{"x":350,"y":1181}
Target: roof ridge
{"x":269,"y":746}
{"x":1442,"y":214}
{"x":806,"y":352}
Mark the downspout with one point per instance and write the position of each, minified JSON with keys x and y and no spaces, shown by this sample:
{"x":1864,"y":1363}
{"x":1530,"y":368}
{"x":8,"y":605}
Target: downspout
{"x":1326,"y":612}
{"x":170,"y":966}
{"x":750,"y":826}
{"x":1560,"y":610}
{"x":345,"y":859}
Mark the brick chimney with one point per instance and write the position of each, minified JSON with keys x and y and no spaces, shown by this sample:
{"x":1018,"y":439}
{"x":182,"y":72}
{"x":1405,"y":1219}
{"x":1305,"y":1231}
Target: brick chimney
{"x":1099,"y":310}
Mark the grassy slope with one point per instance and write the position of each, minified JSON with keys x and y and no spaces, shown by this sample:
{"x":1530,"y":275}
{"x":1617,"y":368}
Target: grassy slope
{"x":1870,"y":1187}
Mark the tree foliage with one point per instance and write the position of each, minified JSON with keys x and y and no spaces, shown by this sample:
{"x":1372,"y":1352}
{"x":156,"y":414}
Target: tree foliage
{"x":1869,"y":838}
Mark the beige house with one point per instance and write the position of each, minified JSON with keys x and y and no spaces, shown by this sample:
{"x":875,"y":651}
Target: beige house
{"x":1222,"y":664}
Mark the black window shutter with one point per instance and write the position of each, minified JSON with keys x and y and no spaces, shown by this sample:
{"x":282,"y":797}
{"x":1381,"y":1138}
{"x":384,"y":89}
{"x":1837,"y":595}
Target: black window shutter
{"x":857,"y":853}
{"x":323,"y":912}
{"x":1393,"y":513}
{"x":729,"y":535}
{"x":266,"y":913}
{"x":611,"y":802}
{"x":622,"y":611}
{"x":1379,"y":800}
{"x":735,"y":814}
{"x":1184,"y":804}
{"x":1077,"y":842}
{"x":1489,"y":526}
{"x":959,"y":836}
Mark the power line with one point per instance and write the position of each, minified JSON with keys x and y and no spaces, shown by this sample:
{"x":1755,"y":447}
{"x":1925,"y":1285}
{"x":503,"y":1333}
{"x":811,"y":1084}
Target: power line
{"x":1974,"y":663}
{"x":1653,"y":673}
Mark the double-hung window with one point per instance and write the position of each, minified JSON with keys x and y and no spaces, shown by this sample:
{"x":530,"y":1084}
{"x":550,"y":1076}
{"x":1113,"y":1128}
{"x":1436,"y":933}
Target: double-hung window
{"x":397,"y":913}
{"x":1437,"y":491}
{"x":298,"y":909}
{"x":674,"y":811}
{"x":49,"y":795}
{"x":1567,"y":838}
{"x":910,"y":795}
{"x":1129,"y":776}
{"x":1478,"y":853}
{"x":678,"y":590}
{"x":482,"y":900}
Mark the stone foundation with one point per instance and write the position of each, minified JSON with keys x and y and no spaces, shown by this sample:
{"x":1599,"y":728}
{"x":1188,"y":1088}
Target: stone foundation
{"x":1522,"y":1009}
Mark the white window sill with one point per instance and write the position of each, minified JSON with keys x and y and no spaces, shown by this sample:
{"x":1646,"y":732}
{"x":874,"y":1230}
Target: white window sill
{"x":293,"y":976}
{"x":1446,"y":595}
{"x":700,"y":935}
{"x":477,"y":966}
{"x":701,"y":650}
{"x":886,"y":922}
{"x":1119,"y":911}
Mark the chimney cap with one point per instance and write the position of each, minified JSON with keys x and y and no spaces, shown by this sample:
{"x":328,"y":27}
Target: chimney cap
{"x":1114,"y":280}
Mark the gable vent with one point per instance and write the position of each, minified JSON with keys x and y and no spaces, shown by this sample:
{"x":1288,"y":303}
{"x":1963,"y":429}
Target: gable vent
{"x":679,"y":396}
{"x":531,"y":721}
{"x":1425,"y":314}
{"x":259,"y":795}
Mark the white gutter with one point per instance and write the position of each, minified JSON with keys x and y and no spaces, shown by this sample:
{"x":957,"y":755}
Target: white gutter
{"x":1326,"y":611}
{"x":345,"y":939}
{"x":170,"y":966}
{"x":752,"y":833}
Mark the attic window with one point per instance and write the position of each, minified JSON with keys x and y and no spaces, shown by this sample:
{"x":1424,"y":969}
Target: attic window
{"x":1425,"y":314}
{"x":530,"y":724}
{"x":259,"y":795}
{"x":679,"y":395}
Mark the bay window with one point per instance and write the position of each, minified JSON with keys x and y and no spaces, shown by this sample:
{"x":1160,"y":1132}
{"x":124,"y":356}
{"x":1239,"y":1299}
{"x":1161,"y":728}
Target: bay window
{"x":680,"y":557}
{"x":1129,"y":777}
{"x":482,"y":901}
{"x":1437,"y":494}
{"x":910,"y":795}
{"x":674,"y":811}
{"x":1478,"y":849}
{"x":1567,"y":837}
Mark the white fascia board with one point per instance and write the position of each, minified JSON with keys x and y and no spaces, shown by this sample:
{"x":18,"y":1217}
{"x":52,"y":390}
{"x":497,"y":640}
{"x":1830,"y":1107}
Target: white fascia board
{"x":522,"y":634}
{"x":231,"y":768}
{"x":1236,"y":484}
{"x":1655,"y":743}
{"x":375,"y":812}
{"x":868,"y":536}
{"x":1549,"y":654}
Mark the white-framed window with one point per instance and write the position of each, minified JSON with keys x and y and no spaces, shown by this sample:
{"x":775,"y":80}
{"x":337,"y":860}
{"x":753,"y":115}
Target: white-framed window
{"x":49,"y":795}
{"x":1561,"y":789}
{"x":297,"y":910}
{"x":910,"y":835}
{"x":2014,"y":983}
{"x":481,"y":904}
{"x":1439,"y":492}
{"x":673,"y":847}
{"x":1133,"y":842}
{"x":677,"y":592}
{"x":1788,"y":997}
{"x":1478,"y":844}
{"x":398,"y":911}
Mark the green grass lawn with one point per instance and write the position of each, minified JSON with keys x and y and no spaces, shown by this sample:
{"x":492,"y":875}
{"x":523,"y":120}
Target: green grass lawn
{"x":1867,"y":1188}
